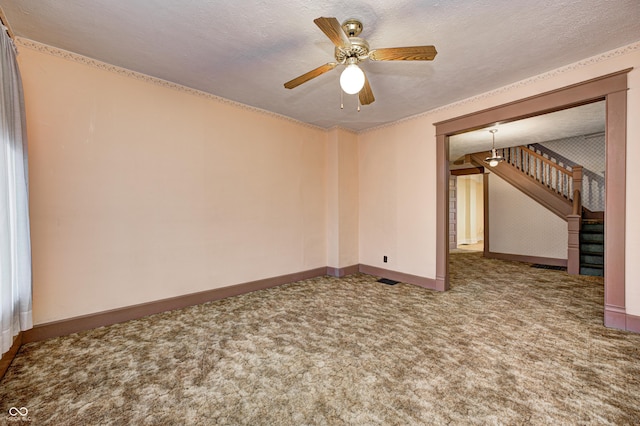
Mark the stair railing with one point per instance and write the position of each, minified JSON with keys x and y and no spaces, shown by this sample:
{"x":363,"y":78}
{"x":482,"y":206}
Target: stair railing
{"x":545,"y":171}
{"x":593,"y":191}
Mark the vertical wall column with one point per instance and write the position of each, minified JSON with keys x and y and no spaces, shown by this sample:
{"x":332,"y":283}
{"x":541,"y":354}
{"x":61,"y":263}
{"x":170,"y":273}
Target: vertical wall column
{"x":442,"y":211}
{"x":615,"y":211}
{"x":453,"y":212}
{"x":342,"y":202}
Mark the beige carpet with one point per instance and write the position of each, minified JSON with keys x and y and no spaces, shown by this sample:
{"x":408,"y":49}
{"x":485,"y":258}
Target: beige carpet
{"x":508,"y":344}
{"x":479,"y":246}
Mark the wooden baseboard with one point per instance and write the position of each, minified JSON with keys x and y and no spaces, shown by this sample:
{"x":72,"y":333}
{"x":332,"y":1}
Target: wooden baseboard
{"x":100,"y":319}
{"x":341,"y":272}
{"x":615,"y":317}
{"x":527,"y":259}
{"x":633,"y":323}
{"x":400,"y":276}
{"x":8,"y":357}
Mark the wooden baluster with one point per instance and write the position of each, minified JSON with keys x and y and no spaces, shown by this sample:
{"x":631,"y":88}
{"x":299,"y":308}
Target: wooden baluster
{"x":561,"y":182}
{"x":570,"y":183}
{"x":533,"y":166}
{"x":561,"y":177}
{"x":542,"y":171}
{"x":520,"y":159}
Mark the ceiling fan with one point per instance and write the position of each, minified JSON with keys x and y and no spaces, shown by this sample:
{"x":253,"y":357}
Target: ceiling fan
{"x":351,"y":50}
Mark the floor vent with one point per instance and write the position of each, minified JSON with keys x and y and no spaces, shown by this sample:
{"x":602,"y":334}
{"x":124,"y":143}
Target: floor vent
{"x":388,"y":281}
{"x":555,"y":268}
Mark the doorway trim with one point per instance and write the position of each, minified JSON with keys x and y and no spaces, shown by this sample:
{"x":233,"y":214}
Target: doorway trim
{"x":613,"y":89}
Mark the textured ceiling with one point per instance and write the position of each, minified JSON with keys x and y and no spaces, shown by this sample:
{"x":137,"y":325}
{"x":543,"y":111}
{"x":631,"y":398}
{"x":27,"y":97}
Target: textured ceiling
{"x":245,"y":50}
{"x":577,"y":121}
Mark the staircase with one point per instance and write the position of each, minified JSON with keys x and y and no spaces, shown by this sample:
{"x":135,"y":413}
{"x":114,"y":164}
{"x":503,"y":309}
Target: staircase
{"x":542,"y":179}
{"x":557,"y":187}
{"x":592,"y":248}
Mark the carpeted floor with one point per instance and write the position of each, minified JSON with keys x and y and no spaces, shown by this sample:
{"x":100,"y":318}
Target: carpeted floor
{"x":507,"y":345}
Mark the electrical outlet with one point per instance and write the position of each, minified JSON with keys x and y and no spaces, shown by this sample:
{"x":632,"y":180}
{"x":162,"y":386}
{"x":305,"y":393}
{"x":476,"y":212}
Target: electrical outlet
{"x":384,"y":259}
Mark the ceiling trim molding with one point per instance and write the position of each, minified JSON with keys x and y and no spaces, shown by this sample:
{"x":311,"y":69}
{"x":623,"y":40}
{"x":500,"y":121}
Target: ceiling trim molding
{"x":344,"y":129}
{"x":74,"y":57}
{"x":621,"y":51}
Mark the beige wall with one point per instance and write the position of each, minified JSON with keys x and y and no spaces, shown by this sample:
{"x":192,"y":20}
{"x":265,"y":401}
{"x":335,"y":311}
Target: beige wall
{"x":342,"y":198}
{"x":519,"y":225}
{"x":397,"y":198}
{"x":414,"y":193}
{"x":141,"y":192}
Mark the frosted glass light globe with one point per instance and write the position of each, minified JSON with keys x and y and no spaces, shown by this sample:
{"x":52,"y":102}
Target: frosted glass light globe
{"x":352,"y":79}
{"x":493,"y":163}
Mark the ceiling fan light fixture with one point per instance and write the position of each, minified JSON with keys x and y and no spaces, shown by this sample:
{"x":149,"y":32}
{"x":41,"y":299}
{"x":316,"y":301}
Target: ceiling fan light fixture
{"x":495,"y":159}
{"x":352,"y":79}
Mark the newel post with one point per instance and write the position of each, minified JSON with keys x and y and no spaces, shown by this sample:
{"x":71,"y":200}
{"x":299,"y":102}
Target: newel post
{"x":574,"y":223}
{"x":576,"y":177}
{"x":573,"y":250}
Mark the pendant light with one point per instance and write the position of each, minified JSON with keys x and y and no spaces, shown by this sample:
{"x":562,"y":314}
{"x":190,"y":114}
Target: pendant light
{"x":495,"y":159}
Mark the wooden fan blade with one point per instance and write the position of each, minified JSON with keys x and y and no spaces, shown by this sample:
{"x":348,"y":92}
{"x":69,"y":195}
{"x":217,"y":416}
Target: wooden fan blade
{"x":413,"y":53}
{"x":332,"y":29}
{"x":310,"y":75}
{"x":366,"y":95}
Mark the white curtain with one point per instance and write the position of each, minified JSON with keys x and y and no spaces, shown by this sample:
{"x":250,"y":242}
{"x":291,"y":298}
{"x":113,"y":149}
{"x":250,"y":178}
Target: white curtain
{"x":15,"y":243}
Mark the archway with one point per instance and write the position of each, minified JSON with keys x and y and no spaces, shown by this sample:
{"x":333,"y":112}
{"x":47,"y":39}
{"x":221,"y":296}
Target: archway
{"x":613,"y":89}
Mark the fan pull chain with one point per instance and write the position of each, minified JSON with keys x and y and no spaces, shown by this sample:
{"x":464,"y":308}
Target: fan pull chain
{"x":341,"y":99}
{"x":358,"y":96}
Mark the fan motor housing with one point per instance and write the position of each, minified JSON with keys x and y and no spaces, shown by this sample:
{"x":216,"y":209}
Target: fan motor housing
{"x":359,"y":49}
